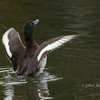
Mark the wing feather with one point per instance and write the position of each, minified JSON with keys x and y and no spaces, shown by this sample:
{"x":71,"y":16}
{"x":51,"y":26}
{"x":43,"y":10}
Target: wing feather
{"x":54,"y":45}
{"x":13,"y":46}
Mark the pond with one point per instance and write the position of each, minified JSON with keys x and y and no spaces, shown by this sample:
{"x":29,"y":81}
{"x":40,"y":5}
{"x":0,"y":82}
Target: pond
{"x":73,"y":71}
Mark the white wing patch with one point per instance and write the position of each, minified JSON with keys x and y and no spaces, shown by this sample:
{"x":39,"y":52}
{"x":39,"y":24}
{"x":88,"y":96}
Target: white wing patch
{"x":5,"y":42}
{"x":55,"y":45}
{"x":42,"y":64}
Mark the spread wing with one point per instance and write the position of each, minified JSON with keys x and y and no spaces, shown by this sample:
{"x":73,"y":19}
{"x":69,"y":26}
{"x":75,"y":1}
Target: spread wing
{"x":13,"y":46}
{"x":44,"y":49}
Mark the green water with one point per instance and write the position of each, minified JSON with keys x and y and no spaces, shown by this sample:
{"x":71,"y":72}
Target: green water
{"x":73,"y":71}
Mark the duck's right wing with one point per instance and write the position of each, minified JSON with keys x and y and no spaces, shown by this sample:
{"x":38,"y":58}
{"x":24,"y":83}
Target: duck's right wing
{"x":44,"y":49}
{"x":13,"y":46}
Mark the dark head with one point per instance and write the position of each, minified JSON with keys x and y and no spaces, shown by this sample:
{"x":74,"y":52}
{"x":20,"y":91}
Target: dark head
{"x":28,"y":28}
{"x":28,"y":33}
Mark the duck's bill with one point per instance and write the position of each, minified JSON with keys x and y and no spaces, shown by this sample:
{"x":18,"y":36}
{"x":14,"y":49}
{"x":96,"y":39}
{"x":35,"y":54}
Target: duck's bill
{"x":36,"y":21}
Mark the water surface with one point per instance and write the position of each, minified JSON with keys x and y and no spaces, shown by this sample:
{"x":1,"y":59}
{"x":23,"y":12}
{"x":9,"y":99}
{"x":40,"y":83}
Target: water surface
{"x":73,"y":71}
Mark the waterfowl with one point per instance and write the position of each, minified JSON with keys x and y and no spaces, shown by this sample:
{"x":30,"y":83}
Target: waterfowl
{"x":30,"y":59}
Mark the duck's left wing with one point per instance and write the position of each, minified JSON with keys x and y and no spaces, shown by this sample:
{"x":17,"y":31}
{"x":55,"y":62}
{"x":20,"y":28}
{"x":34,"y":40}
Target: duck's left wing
{"x":44,"y":49}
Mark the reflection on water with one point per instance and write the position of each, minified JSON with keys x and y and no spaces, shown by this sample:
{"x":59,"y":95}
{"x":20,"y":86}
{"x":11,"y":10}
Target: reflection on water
{"x":9,"y":92}
{"x":38,"y":89}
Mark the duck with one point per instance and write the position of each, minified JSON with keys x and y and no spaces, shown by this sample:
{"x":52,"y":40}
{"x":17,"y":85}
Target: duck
{"x":31,"y":59}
